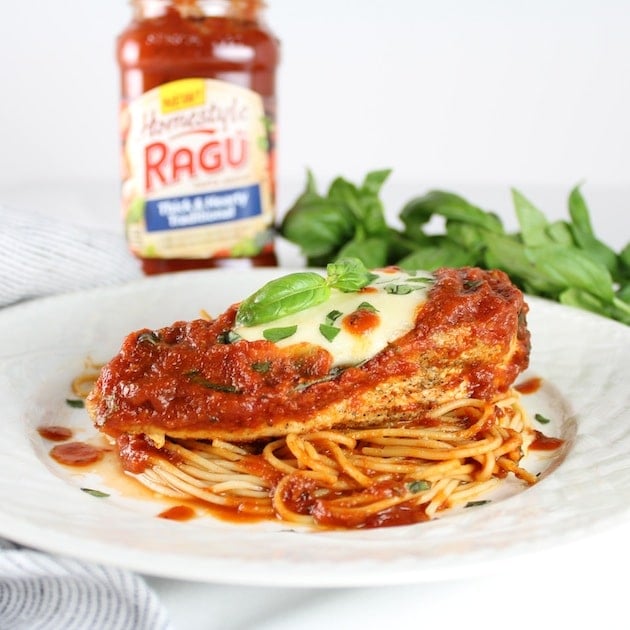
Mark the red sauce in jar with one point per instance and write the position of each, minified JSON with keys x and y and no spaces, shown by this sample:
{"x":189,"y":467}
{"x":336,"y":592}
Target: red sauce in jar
{"x":170,"y":41}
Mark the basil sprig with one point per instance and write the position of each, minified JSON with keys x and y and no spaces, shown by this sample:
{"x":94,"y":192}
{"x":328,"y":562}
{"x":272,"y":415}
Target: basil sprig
{"x":560,"y":260}
{"x":298,"y":291}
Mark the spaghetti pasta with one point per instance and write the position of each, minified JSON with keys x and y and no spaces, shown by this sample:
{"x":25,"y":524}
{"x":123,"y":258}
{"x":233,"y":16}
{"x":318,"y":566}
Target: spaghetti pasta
{"x":353,"y":478}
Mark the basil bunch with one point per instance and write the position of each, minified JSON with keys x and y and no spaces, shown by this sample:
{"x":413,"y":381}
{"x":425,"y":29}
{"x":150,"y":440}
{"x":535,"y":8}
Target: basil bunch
{"x":560,"y":260}
{"x":298,"y":291}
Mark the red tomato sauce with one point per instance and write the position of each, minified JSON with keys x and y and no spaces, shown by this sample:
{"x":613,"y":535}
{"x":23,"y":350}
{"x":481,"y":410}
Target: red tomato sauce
{"x":55,"y":433}
{"x":76,"y":454}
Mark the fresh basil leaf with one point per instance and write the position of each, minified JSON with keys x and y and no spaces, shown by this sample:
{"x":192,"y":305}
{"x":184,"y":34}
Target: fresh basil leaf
{"x":467,"y":236}
{"x":560,"y":232}
{"x":621,"y":310}
{"x":509,"y":254}
{"x":373,"y":223}
{"x":289,"y":294}
{"x":374,"y":181}
{"x":318,"y":226}
{"x":311,"y":184}
{"x":372,"y":252}
{"x":532,"y":221}
{"x":623,"y":293}
{"x":349,"y":275}
{"x":277,"y":334}
{"x":346,"y":195}
{"x":585,"y":301}
{"x":567,"y":268}
{"x":400,"y":245}
{"x":364,"y":202}
{"x":75,"y":403}
{"x":330,"y":332}
{"x":584,"y":236}
{"x":579,"y":212}
{"x":418,"y":211}
{"x":433,"y":257}
{"x":618,"y":309}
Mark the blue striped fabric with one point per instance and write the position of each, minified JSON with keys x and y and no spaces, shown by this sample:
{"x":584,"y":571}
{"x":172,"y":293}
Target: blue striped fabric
{"x":39,"y":591}
{"x":43,"y":592}
{"x":33,"y":245}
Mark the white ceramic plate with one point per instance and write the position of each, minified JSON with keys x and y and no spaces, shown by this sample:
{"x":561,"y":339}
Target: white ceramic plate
{"x":583,"y":360}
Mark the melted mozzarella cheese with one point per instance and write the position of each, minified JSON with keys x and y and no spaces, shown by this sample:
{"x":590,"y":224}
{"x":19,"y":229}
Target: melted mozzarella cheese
{"x":394,"y":296}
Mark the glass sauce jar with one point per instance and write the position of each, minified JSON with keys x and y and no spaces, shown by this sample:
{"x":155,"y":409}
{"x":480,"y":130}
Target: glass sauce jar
{"x":197,"y":122}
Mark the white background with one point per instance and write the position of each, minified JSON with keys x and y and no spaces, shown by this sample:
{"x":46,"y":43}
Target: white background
{"x":473,"y":96}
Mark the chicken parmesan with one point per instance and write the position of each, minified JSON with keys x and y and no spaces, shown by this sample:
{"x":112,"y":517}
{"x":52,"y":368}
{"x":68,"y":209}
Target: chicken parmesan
{"x":375,"y":399}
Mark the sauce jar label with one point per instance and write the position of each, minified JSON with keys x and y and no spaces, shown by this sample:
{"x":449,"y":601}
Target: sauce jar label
{"x":196,"y":180}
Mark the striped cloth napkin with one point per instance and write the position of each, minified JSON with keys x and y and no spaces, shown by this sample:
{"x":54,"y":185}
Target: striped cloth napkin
{"x":43,"y":592}
{"x":40,"y":256}
{"x":38,"y":591}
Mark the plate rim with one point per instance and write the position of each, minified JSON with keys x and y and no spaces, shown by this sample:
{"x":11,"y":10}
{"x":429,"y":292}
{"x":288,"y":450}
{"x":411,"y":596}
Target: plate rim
{"x":216,"y":570}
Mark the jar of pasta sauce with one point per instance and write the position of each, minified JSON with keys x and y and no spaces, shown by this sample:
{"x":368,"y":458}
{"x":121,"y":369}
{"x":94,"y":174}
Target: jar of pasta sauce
{"x":197,"y":116}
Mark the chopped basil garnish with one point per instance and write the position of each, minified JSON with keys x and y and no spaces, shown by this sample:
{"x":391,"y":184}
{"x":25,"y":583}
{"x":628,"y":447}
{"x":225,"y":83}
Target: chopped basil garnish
{"x":400,"y":289}
{"x":332,"y":375}
{"x":95,"y":493}
{"x":476,"y":503}
{"x":277,"y":334}
{"x":472,"y":285}
{"x":418,"y":486}
{"x":366,"y":306}
{"x":75,"y":403}
{"x":540,"y":418}
{"x":227,"y":336}
{"x":262,"y":367}
{"x":198,"y":379}
{"x":330,"y":332}
{"x":333,"y":316}
{"x":149,"y":337}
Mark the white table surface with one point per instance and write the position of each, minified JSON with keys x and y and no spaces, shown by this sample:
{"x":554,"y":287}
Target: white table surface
{"x":577,"y":585}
